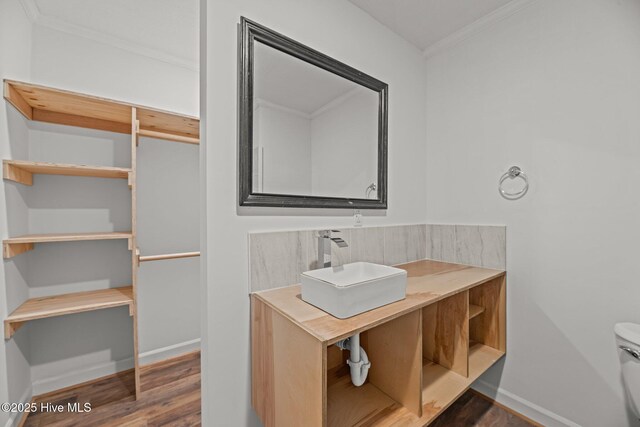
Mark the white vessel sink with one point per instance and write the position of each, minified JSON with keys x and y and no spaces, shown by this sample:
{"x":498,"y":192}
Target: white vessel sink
{"x":352,"y":289}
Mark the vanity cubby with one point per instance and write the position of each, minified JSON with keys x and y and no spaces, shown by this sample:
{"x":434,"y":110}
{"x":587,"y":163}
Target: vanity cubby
{"x":463,"y":336}
{"x":393,"y":382}
{"x":425,"y":350}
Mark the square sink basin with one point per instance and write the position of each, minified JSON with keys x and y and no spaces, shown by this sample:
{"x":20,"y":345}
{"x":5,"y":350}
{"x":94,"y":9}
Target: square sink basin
{"x":351,"y":289}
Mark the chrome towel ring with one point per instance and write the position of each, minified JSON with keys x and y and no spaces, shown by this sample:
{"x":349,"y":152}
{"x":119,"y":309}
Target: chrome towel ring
{"x":513,"y":173}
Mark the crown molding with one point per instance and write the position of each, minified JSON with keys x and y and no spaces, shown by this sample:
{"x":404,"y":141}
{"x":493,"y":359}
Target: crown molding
{"x":38,"y":18}
{"x":477,"y":27}
{"x":259,"y":102}
{"x":31,"y":9}
{"x":337,"y":101}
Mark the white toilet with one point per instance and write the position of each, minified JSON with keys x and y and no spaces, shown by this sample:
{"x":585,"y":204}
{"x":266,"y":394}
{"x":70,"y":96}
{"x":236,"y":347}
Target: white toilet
{"x":628,"y":342}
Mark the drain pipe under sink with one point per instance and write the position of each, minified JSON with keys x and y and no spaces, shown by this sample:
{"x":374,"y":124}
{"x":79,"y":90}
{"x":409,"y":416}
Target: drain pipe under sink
{"x":358,"y":360}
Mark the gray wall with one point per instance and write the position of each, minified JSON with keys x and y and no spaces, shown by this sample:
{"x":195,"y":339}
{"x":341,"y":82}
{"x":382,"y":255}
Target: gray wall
{"x":15,"y":58}
{"x":168,"y":221}
{"x":341,"y":30}
{"x":553,"y":89}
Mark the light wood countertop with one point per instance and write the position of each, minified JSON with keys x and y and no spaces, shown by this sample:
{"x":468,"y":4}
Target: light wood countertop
{"x":427,"y":282}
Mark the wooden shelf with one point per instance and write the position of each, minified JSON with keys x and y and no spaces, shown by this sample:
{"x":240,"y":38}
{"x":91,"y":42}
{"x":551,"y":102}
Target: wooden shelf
{"x":481,"y":358}
{"x":60,"y":305}
{"x":17,"y":245}
{"x":348,"y":405}
{"x":63,"y":107}
{"x":475,"y":310}
{"x":443,"y":386}
{"x":22,"y":171}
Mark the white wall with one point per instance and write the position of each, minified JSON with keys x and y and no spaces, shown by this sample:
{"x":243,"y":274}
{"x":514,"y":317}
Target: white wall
{"x":168,"y":221}
{"x":344,"y":141}
{"x":343,"y":31}
{"x":15,"y":50}
{"x":65,"y":60}
{"x":555,"y":90}
{"x":284,"y":139}
{"x":75,"y":348}
{"x":331,"y":152}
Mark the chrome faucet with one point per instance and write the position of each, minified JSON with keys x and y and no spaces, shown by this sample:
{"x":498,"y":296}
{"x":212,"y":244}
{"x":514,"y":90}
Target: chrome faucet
{"x":324,"y":246}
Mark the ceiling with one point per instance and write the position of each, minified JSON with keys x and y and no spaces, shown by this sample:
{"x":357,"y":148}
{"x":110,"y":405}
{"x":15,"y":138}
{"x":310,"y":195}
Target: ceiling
{"x":426,"y":22}
{"x":289,"y":82}
{"x":169,"y":29}
{"x":168,"y":26}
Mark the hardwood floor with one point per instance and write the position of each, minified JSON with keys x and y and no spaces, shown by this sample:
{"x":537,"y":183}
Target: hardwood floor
{"x":170,"y":397}
{"x":473,"y":410}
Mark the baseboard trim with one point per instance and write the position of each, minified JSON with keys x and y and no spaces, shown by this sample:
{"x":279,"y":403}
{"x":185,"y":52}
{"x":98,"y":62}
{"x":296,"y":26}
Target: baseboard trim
{"x":47,"y":385}
{"x":153,"y":356}
{"x":17,"y":419}
{"x":506,"y":408}
{"x":520,"y":406}
{"x":57,"y":382}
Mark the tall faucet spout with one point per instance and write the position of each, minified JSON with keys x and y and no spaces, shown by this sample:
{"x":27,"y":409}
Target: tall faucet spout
{"x":324,"y":246}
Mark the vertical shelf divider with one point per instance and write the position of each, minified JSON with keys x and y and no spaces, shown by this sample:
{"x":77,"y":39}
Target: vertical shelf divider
{"x":396,"y":347}
{"x":446,"y":333}
{"x":135,"y":127}
{"x":489,"y":328}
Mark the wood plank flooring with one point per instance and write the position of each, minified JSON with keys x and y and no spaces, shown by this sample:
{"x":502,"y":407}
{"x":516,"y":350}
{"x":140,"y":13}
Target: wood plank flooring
{"x":170,"y":397}
{"x":474,"y":410}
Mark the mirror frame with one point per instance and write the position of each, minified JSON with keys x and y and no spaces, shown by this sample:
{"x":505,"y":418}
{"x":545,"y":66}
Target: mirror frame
{"x":249,"y":33}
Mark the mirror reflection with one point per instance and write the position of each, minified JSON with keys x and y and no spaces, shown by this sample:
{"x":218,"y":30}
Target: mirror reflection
{"x":314,"y":133}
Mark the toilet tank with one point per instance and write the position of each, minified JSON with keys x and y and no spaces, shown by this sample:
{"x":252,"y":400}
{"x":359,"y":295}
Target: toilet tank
{"x":628,"y":337}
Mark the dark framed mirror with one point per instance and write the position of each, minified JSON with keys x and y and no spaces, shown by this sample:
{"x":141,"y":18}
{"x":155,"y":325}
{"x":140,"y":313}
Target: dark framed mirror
{"x":312,"y":130}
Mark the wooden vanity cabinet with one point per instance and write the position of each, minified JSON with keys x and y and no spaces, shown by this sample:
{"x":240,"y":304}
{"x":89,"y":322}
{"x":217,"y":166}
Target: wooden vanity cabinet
{"x":425,"y":350}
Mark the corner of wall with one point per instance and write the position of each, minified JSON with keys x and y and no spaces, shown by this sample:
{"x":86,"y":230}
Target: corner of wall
{"x":522,"y":406}
{"x":15,"y":62}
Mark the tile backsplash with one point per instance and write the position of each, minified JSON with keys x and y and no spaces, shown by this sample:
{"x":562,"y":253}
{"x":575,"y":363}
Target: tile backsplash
{"x":478,"y":245}
{"x":276,"y":259}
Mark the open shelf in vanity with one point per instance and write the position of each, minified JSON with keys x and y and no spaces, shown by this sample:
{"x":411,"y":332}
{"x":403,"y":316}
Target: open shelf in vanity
{"x":425,"y":350}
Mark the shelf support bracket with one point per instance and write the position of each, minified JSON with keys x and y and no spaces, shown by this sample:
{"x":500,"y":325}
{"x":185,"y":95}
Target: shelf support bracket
{"x":14,"y":173}
{"x":10,"y":328}
{"x":9,"y":250}
{"x":17,"y":100}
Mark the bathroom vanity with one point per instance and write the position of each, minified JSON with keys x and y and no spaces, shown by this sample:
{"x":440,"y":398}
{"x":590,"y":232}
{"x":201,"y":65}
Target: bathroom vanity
{"x":425,"y":350}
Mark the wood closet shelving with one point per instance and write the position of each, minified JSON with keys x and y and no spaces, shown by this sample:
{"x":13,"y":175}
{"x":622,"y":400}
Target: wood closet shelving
{"x":59,"y":305}
{"x":17,"y":245}
{"x":22,"y":171}
{"x":50,"y":105}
